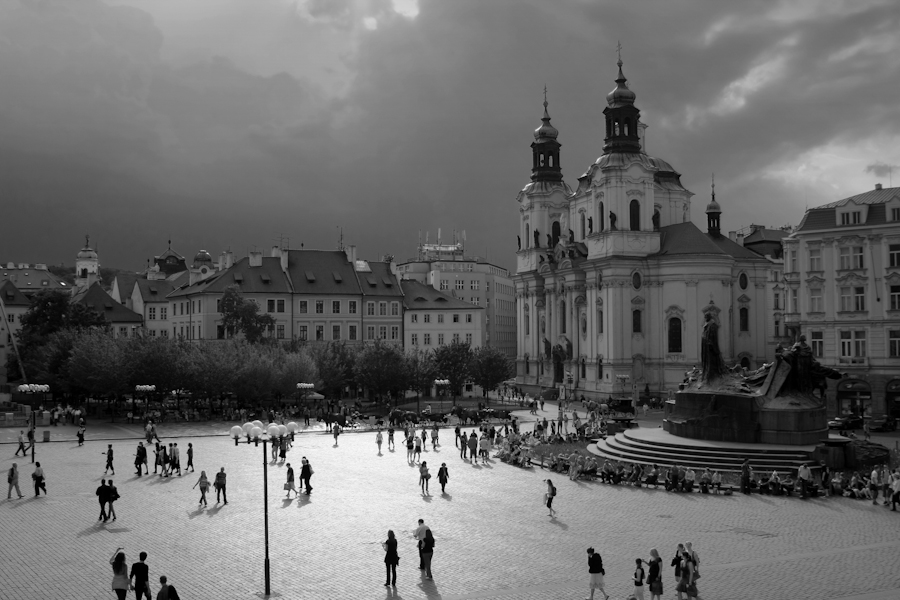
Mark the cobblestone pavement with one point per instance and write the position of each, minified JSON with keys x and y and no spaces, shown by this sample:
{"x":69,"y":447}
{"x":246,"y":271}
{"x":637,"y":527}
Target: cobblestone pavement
{"x":494,"y":538}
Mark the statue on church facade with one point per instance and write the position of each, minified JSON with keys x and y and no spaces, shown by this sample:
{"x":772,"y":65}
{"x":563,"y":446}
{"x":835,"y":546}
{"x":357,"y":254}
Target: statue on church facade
{"x":612,"y":221}
{"x":590,"y":224}
{"x":537,"y":238}
{"x":519,"y":241}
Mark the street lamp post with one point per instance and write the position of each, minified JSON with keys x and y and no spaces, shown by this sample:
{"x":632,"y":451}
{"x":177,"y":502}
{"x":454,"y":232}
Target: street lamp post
{"x":33,"y":388}
{"x":271,"y":433}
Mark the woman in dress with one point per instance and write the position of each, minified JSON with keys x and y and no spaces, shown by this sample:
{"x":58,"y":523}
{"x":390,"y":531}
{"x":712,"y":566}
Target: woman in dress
{"x":424,"y":476}
{"x":443,"y":476}
{"x":686,"y":584}
{"x":378,"y":440}
{"x":654,"y":575}
{"x":290,"y":481}
{"x":120,"y":574}
{"x":390,"y":559}
{"x":203,"y":482}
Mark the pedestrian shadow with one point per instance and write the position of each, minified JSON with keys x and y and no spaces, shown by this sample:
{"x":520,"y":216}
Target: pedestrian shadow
{"x":22,"y":502}
{"x":559,"y":523}
{"x":196,"y":513}
{"x":475,"y":465}
{"x":446,"y":496}
{"x":117,"y":529}
{"x":427,"y":498}
{"x":97,"y":528}
{"x":285,"y":502}
{"x":303,"y":500}
{"x":429,"y":588}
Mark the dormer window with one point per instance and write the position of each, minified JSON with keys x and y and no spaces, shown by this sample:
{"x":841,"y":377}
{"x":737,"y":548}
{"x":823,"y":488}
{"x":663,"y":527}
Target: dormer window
{"x":851,"y":218}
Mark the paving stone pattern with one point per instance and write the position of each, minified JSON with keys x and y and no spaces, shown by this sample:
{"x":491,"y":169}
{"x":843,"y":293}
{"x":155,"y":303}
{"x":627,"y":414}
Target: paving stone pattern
{"x":494,"y":538}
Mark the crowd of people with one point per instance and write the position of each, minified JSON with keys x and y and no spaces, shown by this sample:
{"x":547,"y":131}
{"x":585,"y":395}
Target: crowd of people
{"x":686,"y":564}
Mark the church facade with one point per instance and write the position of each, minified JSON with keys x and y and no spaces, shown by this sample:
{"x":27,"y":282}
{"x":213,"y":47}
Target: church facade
{"x":614,"y":281}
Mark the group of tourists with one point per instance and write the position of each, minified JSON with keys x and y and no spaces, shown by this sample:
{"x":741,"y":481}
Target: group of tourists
{"x":861,"y":487}
{"x":686,"y":563}
{"x":138,"y":580}
{"x":37,"y":478}
{"x":425,"y":544}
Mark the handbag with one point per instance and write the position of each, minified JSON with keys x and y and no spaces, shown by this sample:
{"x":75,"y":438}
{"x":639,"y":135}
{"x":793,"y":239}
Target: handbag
{"x":427,"y":476}
{"x":287,"y":486}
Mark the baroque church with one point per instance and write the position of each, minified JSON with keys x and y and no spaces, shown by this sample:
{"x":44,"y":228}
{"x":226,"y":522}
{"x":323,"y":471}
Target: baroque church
{"x":614,"y":281}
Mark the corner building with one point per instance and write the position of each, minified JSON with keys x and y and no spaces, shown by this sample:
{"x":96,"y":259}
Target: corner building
{"x":613,"y":279}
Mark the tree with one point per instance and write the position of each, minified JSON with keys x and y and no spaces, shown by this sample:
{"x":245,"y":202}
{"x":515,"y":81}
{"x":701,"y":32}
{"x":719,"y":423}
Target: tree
{"x":453,"y":362}
{"x":490,"y":368}
{"x":381,"y":368}
{"x":240,"y":315}
{"x":160,"y":362}
{"x":294,"y":368}
{"x":421,"y":369}
{"x":335,"y":365}
{"x":211,"y":368}
{"x":99,"y":364}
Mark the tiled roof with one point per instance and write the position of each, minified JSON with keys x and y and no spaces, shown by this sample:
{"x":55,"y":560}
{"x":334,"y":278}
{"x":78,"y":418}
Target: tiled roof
{"x":686,"y":238}
{"x":30,"y":280}
{"x":379,"y":281}
{"x":326,"y":272}
{"x":97,"y":298}
{"x":154,"y":290}
{"x":265,"y":279}
{"x":766,"y":235}
{"x":826,"y":218}
{"x":871,"y":197}
{"x":418,"y":296}
{"x":126,"y":283}
{"x":11,"y":296}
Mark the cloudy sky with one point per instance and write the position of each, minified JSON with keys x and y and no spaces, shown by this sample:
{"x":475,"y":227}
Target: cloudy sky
{"x":234,"y":123}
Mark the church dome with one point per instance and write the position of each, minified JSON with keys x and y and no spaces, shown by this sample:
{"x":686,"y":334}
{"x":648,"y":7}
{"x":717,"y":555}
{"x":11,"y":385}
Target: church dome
{"x":202,"y":257}
{"x":87,"y":252}
{"x":713,"y":207}
{"x":621,"y":96}
{"x":546,"y":131}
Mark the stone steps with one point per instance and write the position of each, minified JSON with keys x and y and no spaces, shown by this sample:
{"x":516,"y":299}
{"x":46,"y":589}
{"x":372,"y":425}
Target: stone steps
{"x":633,"y":448}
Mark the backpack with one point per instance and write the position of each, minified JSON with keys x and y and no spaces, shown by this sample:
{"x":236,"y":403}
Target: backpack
{"x":552,"y":491}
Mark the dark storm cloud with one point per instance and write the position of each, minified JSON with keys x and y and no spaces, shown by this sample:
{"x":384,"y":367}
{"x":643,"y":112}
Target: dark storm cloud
{"x":880,"y":169}
{"x":231,"y":126}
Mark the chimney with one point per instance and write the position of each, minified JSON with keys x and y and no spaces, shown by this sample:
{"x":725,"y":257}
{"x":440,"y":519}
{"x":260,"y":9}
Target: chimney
{"x":220,"y":264}
{"x":229,"y":259}
{"x":284,"y":260}
{"x":40,"y":267}
{"x":276,"y":252}
{"x":350,"y":251}
{"x":732,"y":235}
{"x":740,"y":239}
{"x":256,"y":259}
{"x":877,"y":186}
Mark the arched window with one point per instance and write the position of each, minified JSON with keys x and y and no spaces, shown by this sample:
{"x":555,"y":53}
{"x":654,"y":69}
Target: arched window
{"x":527,"y":324}
{"x":527,"y":366}
{"x":636,"y":321}
{"x":625,"y":127}
{"x":562,"y":317}
{"x":551,"y":160}
{"x":527,"y":235}
{"x":674,"y":335}
{"x":600,"y":321}
{"x":84,"y":273}
{"x":745,"y":362}
{"x":583,"y":369}
{"x":634,"y":211}
{"x":602,"y":219}
{"x":555,"y":233}
{"x":541,"y":160}
{"x":616,"y":127}
{"x":583,"y":227}
{"x":744,"y":313}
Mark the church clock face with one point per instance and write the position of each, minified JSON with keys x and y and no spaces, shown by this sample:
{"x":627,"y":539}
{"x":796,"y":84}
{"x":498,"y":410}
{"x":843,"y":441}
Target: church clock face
{"x":636,"y":281}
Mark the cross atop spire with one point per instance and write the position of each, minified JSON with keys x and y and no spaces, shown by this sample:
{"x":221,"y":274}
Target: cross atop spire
{"x":87,"y":240}
{"x":713,"y":186}
{"x":619,"y":50}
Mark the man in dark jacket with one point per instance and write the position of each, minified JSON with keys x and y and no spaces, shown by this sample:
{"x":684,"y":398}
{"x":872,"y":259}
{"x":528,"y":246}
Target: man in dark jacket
{"x":103,"y":498}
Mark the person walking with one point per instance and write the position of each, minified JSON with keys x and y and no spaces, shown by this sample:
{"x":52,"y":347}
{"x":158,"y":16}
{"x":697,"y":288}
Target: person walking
{"x":895,"y":490}
{"x":434,"y":436}
{"x":391,"y":559}
{"x":676,"y":561}
{"x":457,"y":433}
{"x":102,"y":497}
{"x":220,"y":486}
{"x":165,"y":459}
{"x":306,"y":473}
{"x":549,"y":496}
{"x":336,"y":431}
{"x":12,"y":478}
{"x":80,"y":436}
{"x":654,"y":575}
{"x":687,"y":583}
{"x":595,"y":569}
{"x":391,"y":438}
{"x":463,"y":445}
{"x":417,"y":447}
{"x":427,"y":552}
{"x":157,"y":458}
{"x":109,"y":460}
{"x":424,"y":476}
{"x":378,"y":440}
{"x":166,"y":590}
{"x":639,"y":575}
{"x":746,"y":472}
{"x":473,"y":447}
{"x":139,"y":458}
{"x":443,"y":476}
{"x":419,"y":534}
{"x":120,"y":574}
{"x":875,"y":483}
{"x":140,"y":578}
{"x":21,"y":447}
{"x":484,"y":448}
{"x":176,"y":459}
{"x":113,"y":494}
{"x":190,"y":455}
{"x":203,"y":482}
{"x":289,"y":484}
{"x":805,"y":476}
{"x":38,"y":479}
